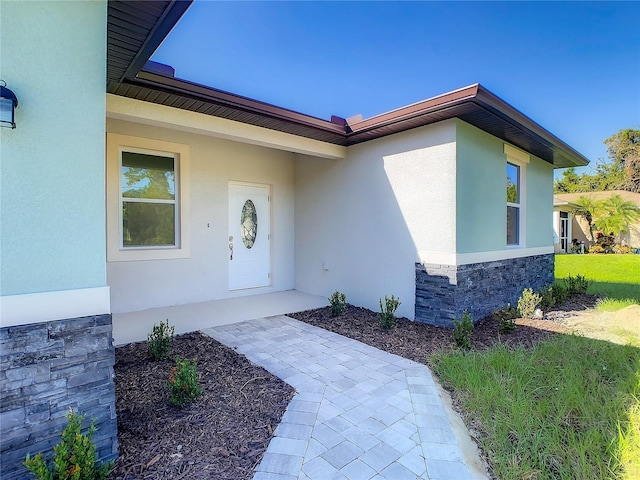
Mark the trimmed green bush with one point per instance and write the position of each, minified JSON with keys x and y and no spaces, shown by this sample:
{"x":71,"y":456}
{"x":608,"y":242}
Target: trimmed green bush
{"x":462,"y":330}
{"x":528,"y":302}
{"x":338,"y":302}
{"x":183,"y":382}
{"x":506,"y":318}
{"x":387,"y":313}
{"x":159,"y":340}
{"x":576,"y":285}
{"x":74,"y":458}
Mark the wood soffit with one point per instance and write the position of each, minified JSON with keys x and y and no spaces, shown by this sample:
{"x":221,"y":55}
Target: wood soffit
{"x":136,"y":28}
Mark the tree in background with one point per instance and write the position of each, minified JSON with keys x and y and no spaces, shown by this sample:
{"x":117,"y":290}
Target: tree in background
{"x":587,"y":208}
{"x":615,"y":215}
{"x":624,"y":151}
{"x":611,"y":216}
{"x":622,"y":172}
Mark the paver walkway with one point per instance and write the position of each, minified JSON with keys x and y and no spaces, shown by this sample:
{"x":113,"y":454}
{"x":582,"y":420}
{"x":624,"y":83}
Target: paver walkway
{"x":359,"y":412}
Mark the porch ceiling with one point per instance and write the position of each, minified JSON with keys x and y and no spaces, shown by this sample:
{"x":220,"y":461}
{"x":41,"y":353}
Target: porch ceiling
{"x":136,"y":29}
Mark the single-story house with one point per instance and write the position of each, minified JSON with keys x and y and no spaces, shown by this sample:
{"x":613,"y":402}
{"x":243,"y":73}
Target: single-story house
{"x":567,"y":226}
{"x":156,"y":191}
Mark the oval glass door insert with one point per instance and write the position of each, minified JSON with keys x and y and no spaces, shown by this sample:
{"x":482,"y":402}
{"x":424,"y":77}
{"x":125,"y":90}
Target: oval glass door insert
{"x":249,"y":224}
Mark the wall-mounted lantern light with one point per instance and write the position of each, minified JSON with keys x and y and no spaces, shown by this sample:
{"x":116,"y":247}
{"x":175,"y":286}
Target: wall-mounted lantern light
{"x":8,"y":104}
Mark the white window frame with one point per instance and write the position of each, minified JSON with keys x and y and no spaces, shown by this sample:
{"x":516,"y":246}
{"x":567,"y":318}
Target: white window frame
{"x":519,"y":159}
{"x":116,"y":251}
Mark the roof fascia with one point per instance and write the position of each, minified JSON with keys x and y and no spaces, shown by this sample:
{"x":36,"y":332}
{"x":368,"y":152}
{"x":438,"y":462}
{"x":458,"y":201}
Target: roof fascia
{"x":209,"y":94}
{"x":346,"y":133}
{"x":167,"y":22}
{"x":566,"y":153}
{"x":433,"y":104}
{"x":147,"y":113}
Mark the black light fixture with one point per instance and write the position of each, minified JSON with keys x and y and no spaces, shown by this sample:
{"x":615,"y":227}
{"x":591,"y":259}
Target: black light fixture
{"x":8,"y":104}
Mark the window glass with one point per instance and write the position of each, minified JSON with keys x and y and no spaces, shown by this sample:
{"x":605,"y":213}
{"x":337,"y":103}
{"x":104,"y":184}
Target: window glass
{"x":513,"y":204}
{"x":147,"y":176}
{"x":513,"y":225}
{"x":513,"y":183}
{"x":249,"y":224}
{"x":148,"y":200}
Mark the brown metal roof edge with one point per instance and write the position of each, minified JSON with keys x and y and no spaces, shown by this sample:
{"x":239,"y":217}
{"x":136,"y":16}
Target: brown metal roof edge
{"x":213,"y":95}
{"x":416,"y":109}
{"x":520,"y":120}
{"x":475,"y":94}
{"x":482,"y":97}
{"x":161,"y":29}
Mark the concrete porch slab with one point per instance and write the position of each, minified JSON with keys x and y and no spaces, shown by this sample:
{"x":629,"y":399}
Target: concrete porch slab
{"x":134,"y":326}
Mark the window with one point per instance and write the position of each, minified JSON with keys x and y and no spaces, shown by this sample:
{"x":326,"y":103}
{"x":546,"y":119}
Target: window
{"x":148,"y":197}
{"x":148,"y":208}
{"x":516,"y":164}
{"x":513,"y":204}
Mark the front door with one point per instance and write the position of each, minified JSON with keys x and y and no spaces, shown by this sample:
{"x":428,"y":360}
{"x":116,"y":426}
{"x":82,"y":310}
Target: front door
{"x":249,"y":236}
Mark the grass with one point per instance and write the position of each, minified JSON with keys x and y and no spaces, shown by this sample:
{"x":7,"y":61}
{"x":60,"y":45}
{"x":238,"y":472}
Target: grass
{"x":615,"y":277}
{"x":565,"y":409}
{"x":613,"y":304}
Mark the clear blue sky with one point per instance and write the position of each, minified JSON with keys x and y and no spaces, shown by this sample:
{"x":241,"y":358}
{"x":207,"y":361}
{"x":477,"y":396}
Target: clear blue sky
{"x":573,"y":67}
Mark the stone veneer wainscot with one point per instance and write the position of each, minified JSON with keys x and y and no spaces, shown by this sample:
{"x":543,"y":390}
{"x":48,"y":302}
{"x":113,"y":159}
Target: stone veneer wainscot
{"x":47,"y":368}
{"x":444,"y":292}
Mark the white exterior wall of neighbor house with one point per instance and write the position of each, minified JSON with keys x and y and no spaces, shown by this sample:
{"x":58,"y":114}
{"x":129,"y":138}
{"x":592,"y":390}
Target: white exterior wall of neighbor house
{"x":361,"y":223}
{"x":481,"y":202}
{"x":203,"y":274}
{"x":52,"y":183}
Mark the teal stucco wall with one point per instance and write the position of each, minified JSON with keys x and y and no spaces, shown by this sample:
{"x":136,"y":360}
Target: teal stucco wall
{"x":539,"y":203}
{"x":52,"y":165}
{"x":481,"y":197}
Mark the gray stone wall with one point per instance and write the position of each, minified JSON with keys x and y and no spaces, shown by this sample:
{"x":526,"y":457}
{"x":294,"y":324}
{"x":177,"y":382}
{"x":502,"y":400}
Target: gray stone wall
{"x":47,"y":368}
{"x":443,"y":292}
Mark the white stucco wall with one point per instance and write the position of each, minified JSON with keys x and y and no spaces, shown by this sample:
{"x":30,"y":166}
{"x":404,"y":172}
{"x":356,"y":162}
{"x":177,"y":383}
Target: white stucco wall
{"x":362,"y":222}
{"x":203,"y":276}
{"x":52,"y":164}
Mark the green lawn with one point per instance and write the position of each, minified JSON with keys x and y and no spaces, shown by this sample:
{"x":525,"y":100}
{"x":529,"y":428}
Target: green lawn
{"x":566,"y":409}
{"x":616,"y":277}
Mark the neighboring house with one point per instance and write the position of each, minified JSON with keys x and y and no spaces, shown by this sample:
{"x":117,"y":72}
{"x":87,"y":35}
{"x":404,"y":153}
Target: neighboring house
{"x":209,"y":195}
{"x":568,"y":226}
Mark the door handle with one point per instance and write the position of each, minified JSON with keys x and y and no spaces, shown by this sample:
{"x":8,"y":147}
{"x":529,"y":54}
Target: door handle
{"x":231,"y":248}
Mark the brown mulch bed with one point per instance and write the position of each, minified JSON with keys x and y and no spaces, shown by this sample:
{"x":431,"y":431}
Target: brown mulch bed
{"x":222,"y":435}
{"x":417,"y":341}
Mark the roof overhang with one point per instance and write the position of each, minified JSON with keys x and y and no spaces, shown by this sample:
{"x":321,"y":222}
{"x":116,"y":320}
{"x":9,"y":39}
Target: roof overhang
{"x":135,"y":30}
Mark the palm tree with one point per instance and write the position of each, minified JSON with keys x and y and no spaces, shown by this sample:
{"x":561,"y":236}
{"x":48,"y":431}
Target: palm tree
{"x":589,"y":209}
{"x":616,"y":214}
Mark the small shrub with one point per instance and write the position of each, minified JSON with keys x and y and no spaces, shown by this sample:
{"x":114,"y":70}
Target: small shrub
{"x":506,"y":317}
{"x":387,"y":313}
{"x":338,"y":301}
{"x":623,"y":249}
{"x":547,"y":299}
{"x":528,"y":302}
{"x":73,"y":458}
{"x":462,"y":330}
{"x":159,"y":340}
{"x":577,"y":284}
{"x":183,"y":382}
{"x":559,"y":293}
{"x":596,"y":249}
